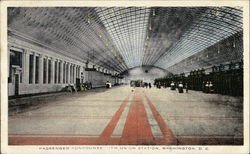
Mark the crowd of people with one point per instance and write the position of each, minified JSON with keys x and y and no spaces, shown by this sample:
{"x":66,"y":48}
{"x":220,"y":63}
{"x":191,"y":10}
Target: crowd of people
{"x":173,"y":86}
{"x":147,"y":85}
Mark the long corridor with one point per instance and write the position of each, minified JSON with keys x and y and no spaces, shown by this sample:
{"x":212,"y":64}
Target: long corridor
{"x":127,"y":116}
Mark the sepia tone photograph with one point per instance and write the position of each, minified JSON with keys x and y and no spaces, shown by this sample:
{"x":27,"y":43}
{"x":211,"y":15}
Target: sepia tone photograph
{"x":125,"y":76}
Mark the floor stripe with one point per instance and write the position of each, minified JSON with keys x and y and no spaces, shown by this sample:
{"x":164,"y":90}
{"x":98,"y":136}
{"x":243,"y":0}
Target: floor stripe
{"x":58,"y":117}
{"x":152,"y":121}
{"x":52,"y":141}
{"x":202,"y":118}
{"x":97,"y":100}
{"x":107,"y":132}
{"x":137,"y":130}
{"x":120,"y":125}
{"x":209,"y":135}
{"x":78,"y":105}
{"x":169,"y":136}
{"x":196,"y":106}
{"x":53,"y":135}
{"x":194,"y":101}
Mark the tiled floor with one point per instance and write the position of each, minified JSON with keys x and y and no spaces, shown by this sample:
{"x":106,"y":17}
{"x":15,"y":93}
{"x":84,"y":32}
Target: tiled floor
{"x":123,"y":116}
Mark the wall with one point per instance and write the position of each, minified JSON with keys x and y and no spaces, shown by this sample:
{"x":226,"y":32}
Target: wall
{"x":28,"y":48}
{"x":98,"y":79}
{"x":140,"y":73}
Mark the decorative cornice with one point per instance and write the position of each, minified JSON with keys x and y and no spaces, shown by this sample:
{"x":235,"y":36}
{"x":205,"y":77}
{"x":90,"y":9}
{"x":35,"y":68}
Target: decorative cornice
{"x":28,"y":39}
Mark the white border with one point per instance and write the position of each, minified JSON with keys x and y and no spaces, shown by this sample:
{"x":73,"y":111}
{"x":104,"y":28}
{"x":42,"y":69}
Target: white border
{"x":107,"y":149}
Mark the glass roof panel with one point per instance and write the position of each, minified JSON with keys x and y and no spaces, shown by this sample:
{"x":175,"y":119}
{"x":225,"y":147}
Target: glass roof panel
{"x":212,"y":27}
{"x":128,"y":31}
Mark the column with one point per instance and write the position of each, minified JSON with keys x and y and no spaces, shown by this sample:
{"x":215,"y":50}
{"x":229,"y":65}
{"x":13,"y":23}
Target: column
{"x":71,"y":73}
{"x":65,"y":72}
{"x":34,"y":69}
{"x":26,"y":66}
{"x":52,"y":81}
{"x":74,"y":79}
{"x":86,"y":75}
{"x":61,"y":71}
{"x":57,"y":72}
{"x":68,"y":73}
{"x":40,"y":74}
{"x":76,"y":71}
{"x":47,"y":70}
{"x":79,"y":72}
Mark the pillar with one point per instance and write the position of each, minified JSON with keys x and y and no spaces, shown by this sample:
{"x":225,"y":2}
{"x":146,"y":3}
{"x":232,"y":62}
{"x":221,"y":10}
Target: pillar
{"x":40,"y":78}
{"x":57,"y":72}
{"x":26,"y":66}
{"x":65,"y":71}
{"x":74,"y":79}
{"x":61,"y":72}
{"x":34,"y":69}
{"x":72,"y":73}
{"x":52,"y":81}
{"x":77,"y":71}
{"x":47,"y":70}
{"x":68,"y":73}
{"x":86,"y":75}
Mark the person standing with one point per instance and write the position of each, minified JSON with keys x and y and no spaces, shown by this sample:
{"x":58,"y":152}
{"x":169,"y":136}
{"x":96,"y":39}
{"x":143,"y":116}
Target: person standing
{"x":180,"y":87}
{"x":108,"y":84}
{"x":186,"y":86}
{"x":172,"y":85}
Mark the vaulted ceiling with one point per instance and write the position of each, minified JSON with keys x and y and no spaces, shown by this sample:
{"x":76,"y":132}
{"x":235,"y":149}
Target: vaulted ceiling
{"x":119,"y":38}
